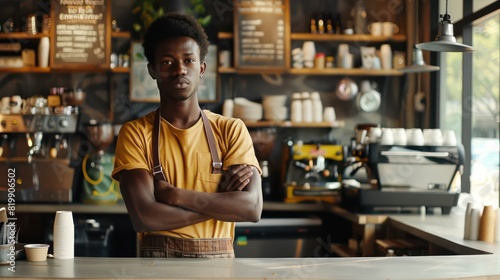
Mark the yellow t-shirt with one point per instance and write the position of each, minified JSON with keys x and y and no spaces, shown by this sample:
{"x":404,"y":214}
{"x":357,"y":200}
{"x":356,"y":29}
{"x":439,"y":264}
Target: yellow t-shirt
{"x":186,"y":160}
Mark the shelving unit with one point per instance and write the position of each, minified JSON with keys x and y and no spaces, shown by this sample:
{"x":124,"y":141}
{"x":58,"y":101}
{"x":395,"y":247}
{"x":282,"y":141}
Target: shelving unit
{"x":284,"y":124}
{"x":347,"y":38}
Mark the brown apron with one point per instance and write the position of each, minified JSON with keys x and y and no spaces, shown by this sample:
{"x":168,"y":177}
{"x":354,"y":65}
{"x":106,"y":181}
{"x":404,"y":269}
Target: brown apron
{"x":153,"y":245}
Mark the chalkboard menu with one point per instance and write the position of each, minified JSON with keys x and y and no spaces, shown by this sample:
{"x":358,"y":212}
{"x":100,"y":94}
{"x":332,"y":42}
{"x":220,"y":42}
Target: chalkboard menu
{"x":260,"y":34}
{"x":80,"y":33}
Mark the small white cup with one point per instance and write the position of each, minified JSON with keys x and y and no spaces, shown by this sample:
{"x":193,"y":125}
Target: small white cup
{"x":225,"y":58}
{"x":389,"y":28}
{"x":433,"y":137}
{"x":5,"y":105}
{"x":449,"y":138}
{"x":329,"y":114}
{"x":16,"y":103}
{"x":387,"y":137}
{"x":417,"y":137}
{"x":437,"y":137}
{"x":374,"y":134}
{"x":308,"y":51}
{"x":63,"y":218}
{"x":375,"y":28}
{"x":399,"y":136}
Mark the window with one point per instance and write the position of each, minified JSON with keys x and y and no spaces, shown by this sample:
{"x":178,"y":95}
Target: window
{"x":484,"y":100}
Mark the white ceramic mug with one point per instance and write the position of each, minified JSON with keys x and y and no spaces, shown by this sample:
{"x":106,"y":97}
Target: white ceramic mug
{"x":417,"y":137}
{"x":5,"y":105}
{"x":329,"y":114}
{"x":399,"y":136}
{"x":16,"y":103}
{"x":389,"y":28}
{"x":449,"y":138}
{"x":375,"y":28}
{"x":225,"y":58}
{"x":387,"y":138}
{"x":308,"y":51}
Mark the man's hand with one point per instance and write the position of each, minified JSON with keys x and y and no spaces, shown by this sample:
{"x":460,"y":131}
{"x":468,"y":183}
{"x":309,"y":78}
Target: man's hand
{"x":236,"y":178}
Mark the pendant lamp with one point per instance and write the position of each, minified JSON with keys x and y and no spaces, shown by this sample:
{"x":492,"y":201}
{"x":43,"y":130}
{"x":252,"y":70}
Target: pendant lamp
{"x":418,"y":64}
{"x":445,"y":40}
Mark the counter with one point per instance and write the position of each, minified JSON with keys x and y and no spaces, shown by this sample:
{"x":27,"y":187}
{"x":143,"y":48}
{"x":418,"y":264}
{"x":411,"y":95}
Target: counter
{"x":436,"y":267}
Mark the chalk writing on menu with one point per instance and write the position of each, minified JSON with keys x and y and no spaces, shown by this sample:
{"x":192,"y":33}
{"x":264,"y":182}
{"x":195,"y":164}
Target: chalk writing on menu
{"x":80,"y":32}
{"x":261,"y":34}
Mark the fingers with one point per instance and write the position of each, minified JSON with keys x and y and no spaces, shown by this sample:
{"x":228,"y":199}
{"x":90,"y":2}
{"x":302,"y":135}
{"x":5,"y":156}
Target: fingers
{"x":237,"y":178}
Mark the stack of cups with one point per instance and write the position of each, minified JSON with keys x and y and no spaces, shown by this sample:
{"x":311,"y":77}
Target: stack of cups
{"x":497,"y":226}
{"x":64,"y":235}
{"x":487,"y":224}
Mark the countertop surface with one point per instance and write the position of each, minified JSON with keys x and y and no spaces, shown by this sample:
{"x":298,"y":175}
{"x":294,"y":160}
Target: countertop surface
{"x":435,"y":267}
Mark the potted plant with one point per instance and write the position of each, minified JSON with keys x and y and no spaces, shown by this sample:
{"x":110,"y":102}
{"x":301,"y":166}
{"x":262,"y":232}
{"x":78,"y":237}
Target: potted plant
{"x":146,"y":11}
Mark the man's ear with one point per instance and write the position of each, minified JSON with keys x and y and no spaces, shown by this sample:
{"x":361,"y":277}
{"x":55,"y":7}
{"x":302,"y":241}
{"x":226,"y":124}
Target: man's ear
{"x":203,"y":68}
{"x":152,"y":71}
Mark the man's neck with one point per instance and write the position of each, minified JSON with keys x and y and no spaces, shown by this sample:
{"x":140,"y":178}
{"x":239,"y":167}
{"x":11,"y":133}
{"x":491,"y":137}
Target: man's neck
{"x":181,"y":115}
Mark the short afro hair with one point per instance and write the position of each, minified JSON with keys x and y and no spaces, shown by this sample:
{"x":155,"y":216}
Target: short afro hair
{"x":172,"y":25}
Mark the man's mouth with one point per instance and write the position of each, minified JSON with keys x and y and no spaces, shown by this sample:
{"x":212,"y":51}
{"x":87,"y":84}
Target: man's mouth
{"x":181,"y":83}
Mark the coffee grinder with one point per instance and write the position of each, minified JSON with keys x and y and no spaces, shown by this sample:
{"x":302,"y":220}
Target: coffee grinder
{"x":97,"y":165}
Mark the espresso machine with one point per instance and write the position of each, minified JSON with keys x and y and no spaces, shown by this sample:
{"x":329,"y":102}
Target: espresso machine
{"x":36,"y":149}
{"x":404,"y":177}
{"x":313,"y":171}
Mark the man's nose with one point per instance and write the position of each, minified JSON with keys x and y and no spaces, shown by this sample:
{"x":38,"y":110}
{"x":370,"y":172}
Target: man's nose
{"x":180,"y":69}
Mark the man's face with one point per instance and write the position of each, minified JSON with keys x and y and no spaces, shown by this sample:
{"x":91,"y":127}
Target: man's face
{"x":177,"y":68}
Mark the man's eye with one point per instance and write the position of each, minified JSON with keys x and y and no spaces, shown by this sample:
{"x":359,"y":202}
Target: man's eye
{"x":190,"y":60}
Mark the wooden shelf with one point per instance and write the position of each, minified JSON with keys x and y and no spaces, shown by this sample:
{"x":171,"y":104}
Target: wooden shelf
{"x":25,"y":70}
{"x":313,"y":71}
{"x":347,"y":38}
{"x":120,"y":70}
{"x":347,"y":72}
{"x":121,"y":34}
{"x":333,"y":37}
{"x":22,"y":35}
{"x":225,"y":35}
{"x":284,"y":124}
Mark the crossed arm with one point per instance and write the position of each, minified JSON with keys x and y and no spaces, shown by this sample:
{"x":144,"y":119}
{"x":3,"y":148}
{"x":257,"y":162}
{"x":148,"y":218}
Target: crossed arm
{"x":161,"y":206}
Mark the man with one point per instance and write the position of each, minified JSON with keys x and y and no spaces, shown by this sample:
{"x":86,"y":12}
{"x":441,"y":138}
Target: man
{"x":181,"y":199}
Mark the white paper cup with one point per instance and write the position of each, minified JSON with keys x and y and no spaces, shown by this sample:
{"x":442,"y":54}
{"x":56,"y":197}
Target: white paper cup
{"x":63,"y":218}
{"x":36,"y":252}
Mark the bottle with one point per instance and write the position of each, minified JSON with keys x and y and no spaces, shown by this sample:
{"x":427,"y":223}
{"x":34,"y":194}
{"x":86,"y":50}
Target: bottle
{"x":307,"y":114}
{"x":296,"y":108}
{"x":329,"y":61}
{"x":319,"y":61}
{"x":317,"y":107}
{"x":313,"y":26}
{"x":43,"y":52}
{"x":54,"y":99}
{"x":358,"y":14}
{"x":266,"y":183}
